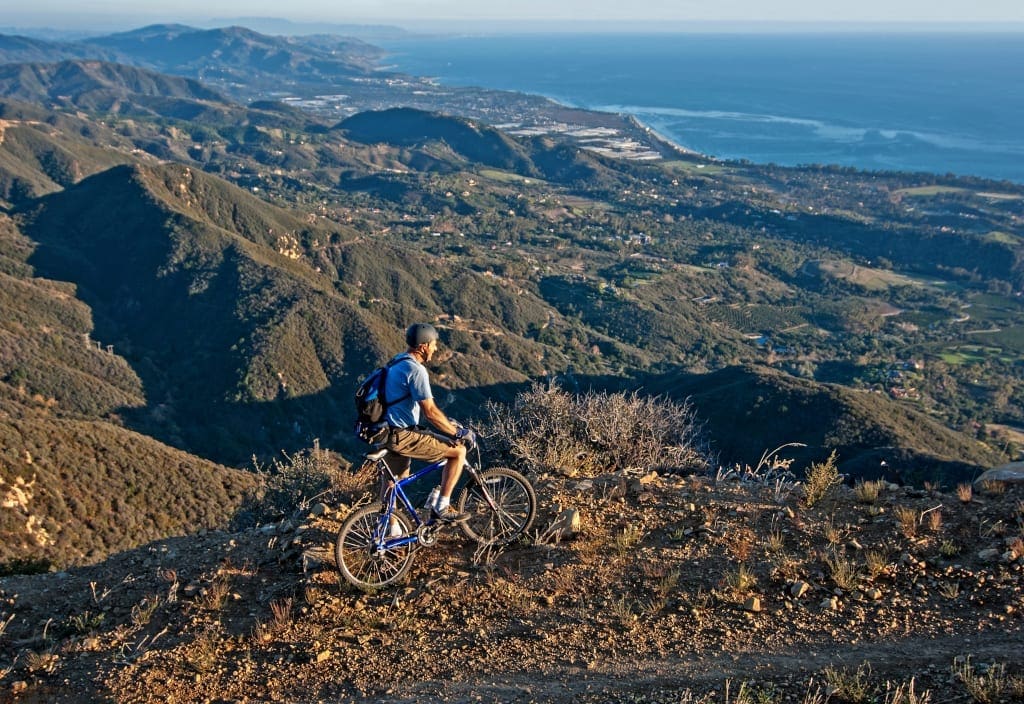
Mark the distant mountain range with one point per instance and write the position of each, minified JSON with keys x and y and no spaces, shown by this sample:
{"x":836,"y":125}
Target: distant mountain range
{"x":224,"y":56}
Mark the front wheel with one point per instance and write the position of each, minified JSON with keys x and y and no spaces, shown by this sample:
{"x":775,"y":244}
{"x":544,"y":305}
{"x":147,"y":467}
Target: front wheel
{"x":362,"y":559}
{"x":514,"y":507}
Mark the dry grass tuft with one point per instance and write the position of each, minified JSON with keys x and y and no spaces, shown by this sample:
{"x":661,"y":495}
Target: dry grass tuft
{"x":822,"y":477}
{"x":876,"y":562}
{"x":143,"y":612}
{"x":949,"y":548}
{"x":991,"y":487}
{"x":842,"y":570}
{"x":933,"y":519}
{"x":988,"y":685}
{"x":629,"y":538}
{"x":906,"y":521}
{"x":904,"y":693}
{"x":216,"y":594}
{"x":867,"y":492}
{"x":965,"y":492}
{"x":201,"y":654}
{"x":853,"y":687}
{"x":739,"y":581}
{"x":833,"y":533}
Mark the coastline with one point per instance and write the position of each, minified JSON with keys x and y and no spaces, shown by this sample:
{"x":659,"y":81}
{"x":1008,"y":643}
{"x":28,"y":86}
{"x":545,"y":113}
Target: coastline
{"x":664,"y":141}
{"x":871,"y":125}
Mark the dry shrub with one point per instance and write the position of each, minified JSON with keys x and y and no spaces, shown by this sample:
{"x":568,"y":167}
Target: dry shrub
{"x":906,"y":520}
{"x":821,"y":478}
{"x":740,"y":542}
{"x":876,"y":562}
{"x":288,"y":485}
{"x":547,"y":429}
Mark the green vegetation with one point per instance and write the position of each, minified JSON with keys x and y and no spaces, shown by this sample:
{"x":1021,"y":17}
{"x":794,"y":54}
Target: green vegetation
{"x":216,"y":277}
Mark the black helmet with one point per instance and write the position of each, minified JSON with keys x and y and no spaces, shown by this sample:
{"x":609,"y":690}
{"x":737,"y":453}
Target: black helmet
{"x":420,"y":334}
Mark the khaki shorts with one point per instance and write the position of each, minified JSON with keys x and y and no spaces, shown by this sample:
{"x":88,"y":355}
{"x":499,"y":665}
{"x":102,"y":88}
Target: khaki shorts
{"x":404,"y":445}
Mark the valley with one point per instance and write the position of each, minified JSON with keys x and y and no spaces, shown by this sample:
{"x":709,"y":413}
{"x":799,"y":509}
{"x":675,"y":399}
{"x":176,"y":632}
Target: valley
{"x":244,"y":254}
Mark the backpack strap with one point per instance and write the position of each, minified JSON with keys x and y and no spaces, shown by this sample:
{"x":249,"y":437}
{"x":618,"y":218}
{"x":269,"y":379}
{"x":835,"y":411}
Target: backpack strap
{"x":384,"y":381}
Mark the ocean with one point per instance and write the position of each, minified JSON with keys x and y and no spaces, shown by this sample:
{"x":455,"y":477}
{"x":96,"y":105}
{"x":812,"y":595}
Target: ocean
{"x":907,"y":102}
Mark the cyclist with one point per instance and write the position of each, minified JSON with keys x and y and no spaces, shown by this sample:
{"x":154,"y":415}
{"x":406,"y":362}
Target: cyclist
{"x":409,"y":384}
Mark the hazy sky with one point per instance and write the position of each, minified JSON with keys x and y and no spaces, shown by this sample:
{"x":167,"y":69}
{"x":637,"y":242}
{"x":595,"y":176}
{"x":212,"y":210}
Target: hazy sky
{"x":66,"y":13}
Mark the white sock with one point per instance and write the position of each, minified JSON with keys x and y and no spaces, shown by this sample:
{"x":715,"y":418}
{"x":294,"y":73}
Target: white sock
{"x":396,"y":529}
{"x":442,"y":503}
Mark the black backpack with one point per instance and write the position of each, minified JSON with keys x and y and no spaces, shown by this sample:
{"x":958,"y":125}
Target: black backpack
{"x":372,"y":407}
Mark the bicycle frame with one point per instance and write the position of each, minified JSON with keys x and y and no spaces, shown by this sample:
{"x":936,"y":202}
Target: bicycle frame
{"x":394,"y":495}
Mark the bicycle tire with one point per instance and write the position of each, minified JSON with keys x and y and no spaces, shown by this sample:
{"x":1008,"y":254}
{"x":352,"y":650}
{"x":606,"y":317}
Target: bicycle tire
{"x":516,"y":502}
{"x":359,"y":563}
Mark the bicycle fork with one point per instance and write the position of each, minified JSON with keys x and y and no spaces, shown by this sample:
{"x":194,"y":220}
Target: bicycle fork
{"x":478,"y":478}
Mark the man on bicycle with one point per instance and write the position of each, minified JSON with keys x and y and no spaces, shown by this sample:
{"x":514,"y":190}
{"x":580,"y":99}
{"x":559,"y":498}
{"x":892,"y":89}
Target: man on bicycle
{"x":408,"y":383}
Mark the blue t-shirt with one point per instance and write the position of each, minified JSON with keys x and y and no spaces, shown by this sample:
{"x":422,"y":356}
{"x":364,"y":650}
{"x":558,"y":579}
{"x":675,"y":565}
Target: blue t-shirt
{"x":406,"y":378}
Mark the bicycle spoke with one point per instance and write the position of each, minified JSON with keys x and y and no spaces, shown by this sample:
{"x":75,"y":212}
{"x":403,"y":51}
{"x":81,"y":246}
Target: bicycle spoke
{"x":360,"y":556}
{"x":512,"y":512}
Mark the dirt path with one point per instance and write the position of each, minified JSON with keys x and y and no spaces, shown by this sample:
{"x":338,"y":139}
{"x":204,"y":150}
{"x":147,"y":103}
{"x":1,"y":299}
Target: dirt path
{"x":928,"y":660}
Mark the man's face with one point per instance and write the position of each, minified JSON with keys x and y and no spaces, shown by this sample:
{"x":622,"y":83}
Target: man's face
{"x":429,"y":349}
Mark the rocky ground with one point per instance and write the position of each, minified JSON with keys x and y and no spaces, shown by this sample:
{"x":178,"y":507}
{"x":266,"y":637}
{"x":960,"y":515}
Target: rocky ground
{"x":675,"y":589}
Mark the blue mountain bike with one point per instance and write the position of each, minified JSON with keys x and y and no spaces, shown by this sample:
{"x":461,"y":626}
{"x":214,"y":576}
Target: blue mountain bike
{"x":377,"y":544}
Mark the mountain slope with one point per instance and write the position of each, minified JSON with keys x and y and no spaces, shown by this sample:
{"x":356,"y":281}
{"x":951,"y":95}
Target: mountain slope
{"x":406,"y":127}
{"x":76,"y":485}
{"x":77,"y":490}
{"x":97,"y":86}
{"x":236,"y":53}
{"x":872,"y":435}
{"x":40,"y":153}
{"x":231,"y":328}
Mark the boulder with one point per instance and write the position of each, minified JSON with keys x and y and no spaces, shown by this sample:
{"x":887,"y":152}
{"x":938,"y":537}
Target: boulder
{"x":1012,"y":473}
{"x":566,"y":525}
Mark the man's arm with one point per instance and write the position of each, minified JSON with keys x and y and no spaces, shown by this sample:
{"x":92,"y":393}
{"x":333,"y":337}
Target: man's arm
{"x":437,"y":417}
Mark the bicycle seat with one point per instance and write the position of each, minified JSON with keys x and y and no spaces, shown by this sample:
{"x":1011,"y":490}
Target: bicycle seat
{"x":374,"y":456}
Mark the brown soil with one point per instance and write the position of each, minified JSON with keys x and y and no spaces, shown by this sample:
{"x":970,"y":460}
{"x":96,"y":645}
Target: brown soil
{"x":647,"y":603}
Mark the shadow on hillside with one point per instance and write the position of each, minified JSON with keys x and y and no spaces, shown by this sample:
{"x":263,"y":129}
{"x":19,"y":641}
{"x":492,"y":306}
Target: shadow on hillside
{"x":747,"y":412}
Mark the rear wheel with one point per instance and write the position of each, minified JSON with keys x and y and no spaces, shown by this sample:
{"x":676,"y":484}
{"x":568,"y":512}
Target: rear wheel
{"x":360,"y":559}
{"x":515,"y":505}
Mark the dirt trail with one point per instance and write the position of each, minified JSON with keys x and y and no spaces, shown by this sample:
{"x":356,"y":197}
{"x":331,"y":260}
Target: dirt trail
{"x":669,"y":679}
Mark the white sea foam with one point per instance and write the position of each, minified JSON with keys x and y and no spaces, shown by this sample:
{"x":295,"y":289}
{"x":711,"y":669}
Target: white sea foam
{"x":830,"y":132}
